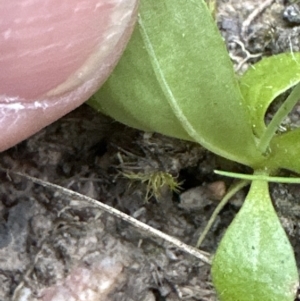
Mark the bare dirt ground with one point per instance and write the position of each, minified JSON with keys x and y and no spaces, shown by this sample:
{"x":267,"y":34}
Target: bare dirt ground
{"x":54,"y":247}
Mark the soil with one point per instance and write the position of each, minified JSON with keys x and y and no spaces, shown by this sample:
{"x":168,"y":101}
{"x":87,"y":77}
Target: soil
{"x":54,"y":247}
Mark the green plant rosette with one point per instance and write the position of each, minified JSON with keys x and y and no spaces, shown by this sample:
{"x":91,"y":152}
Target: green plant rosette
{"x":176,"y":78}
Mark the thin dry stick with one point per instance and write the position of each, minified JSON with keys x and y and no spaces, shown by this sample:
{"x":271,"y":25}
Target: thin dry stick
{"x":203,"y":256}
{"x":232,"y":191}
{"x":254,"y":15}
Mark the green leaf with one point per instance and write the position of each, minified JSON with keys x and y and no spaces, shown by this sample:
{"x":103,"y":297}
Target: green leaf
{"x":266,"y":80}
{"x":284,"y":151}
{"x":285,"y":108}
{"x":255,"y":260}
{"x":176,"y":78}
{"x":132,"y":94}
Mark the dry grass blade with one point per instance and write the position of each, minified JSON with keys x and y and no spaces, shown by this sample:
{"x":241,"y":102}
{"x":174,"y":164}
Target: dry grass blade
{"x":203,"y":256}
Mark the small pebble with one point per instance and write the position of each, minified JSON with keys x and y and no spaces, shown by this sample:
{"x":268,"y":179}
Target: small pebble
{"x":292,"y":14}
{"x":86,"y":283}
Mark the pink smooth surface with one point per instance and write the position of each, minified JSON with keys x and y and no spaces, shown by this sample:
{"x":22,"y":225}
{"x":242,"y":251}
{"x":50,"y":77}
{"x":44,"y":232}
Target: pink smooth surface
{"x":54,"y":54}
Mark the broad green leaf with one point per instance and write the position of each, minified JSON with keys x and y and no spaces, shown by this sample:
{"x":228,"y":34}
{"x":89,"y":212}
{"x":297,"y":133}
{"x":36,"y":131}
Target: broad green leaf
{"x":176,"y":78}
{"x":125,"y":95}
{"x":255,"y":261}
{"x":266,"y":80}
{"x":285,"y":152}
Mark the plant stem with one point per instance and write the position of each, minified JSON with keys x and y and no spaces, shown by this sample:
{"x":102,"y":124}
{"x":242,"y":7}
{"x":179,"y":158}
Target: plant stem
{"x":231,"y":192}
{"x":258,"y":177}
{"x":283,"y":111}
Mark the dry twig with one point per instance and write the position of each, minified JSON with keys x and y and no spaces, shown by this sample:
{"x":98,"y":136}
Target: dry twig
{"x":254,"y":15}
{"x":203,"y":256}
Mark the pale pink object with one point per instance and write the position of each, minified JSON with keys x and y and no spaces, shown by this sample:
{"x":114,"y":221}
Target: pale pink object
{"x":54,"y":54}
{"x":86,"y":284}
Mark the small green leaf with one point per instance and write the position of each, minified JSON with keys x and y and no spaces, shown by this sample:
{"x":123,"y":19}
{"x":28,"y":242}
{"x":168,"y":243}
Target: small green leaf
{"x":255,"y":261}
{"x":284,"y":151}
{"x":176,"y":78}
{"x":266,"y":80}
